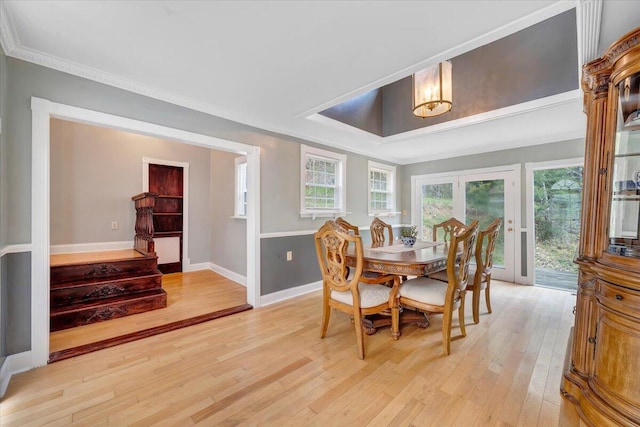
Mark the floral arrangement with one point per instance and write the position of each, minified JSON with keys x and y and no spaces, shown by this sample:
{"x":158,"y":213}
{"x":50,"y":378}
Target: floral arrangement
{"x":409,"y":231}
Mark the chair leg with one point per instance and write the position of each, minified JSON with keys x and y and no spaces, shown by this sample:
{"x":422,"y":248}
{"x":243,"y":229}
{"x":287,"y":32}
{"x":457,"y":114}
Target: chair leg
{"x":463,"y":330}
{"x":326,"y":313}
{"x":357,"y":320}
{"x":446,"y":331}
{"x":486,"y":293}
{"x":475,"y":303}
{"x":395,"y":322}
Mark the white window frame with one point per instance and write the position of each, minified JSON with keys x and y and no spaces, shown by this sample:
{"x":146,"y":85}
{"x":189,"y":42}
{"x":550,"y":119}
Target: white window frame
{"x":391,"y":188}
{"x":240,"y":192}
{"x":307,"y":152}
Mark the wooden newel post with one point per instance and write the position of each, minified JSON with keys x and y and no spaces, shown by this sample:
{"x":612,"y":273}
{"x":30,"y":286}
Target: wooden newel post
{"x":143,"y":240}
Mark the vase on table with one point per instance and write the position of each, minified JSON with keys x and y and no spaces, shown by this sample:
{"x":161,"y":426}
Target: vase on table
{"x":408,"y":241}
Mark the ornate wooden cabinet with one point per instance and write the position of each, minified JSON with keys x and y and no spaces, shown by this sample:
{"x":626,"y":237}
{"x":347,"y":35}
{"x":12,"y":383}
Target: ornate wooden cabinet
{"x":602,"y":372}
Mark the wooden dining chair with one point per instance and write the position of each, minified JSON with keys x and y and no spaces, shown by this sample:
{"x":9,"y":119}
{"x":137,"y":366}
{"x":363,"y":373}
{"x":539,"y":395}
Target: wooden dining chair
{"x":481,"y":270}
{"x":348,"y":226}
{"x":485,"y":247}
{"x":377,"y":229}
{"x":352,"y":294}
{"x":434,"y":296}
{"x":448,"y":227}
{"x":355,"y":230}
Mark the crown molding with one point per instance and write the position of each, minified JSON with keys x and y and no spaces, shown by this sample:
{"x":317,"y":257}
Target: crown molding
{"x":90,"y":73}
{"x":588,"y":16}
{"x":8,"y":36}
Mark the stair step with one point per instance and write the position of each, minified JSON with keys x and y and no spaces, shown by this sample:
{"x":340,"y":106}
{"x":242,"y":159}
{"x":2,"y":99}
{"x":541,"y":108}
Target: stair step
{"x":106,"y":308}
{"x":103,"y":270}
{"x":64,"y":294}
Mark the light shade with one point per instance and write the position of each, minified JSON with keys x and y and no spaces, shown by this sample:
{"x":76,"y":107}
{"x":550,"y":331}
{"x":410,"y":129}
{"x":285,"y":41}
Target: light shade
{"x":432,"y":91}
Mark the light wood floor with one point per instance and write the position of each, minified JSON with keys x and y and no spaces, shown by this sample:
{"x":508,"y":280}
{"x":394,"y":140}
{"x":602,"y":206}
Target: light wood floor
{"x":268,"y":366}
{"x":188,"y":295}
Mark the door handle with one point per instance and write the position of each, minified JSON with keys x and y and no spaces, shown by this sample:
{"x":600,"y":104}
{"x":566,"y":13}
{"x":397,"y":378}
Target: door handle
{"x":509,"y":229}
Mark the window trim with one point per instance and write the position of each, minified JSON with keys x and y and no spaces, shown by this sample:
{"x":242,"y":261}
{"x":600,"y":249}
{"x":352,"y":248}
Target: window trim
{"x":391,"y":204}
{"x":238,"y":192}
{"x":341,"y":181}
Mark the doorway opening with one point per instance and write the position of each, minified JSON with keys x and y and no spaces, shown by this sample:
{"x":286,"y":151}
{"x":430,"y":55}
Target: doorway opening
{"x":42,"y":112}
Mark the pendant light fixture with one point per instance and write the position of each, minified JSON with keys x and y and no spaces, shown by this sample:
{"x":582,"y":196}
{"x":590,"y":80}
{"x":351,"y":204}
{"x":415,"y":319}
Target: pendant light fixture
{"x":432,"y":90}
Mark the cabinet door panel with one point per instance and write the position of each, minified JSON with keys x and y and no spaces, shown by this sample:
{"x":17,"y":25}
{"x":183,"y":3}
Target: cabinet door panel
{"x":617,"y":360}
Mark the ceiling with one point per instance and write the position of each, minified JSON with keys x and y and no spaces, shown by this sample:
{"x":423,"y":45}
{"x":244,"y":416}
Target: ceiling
{"x":275,"y":65}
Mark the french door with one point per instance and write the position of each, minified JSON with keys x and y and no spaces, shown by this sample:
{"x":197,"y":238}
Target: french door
{"x":467,"y":197}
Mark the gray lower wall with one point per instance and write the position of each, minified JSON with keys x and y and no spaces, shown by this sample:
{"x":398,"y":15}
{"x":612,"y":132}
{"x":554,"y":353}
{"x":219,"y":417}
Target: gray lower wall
{"x":3,"y":309}
{"x":277,"y":273}
{"x":16,"y":270}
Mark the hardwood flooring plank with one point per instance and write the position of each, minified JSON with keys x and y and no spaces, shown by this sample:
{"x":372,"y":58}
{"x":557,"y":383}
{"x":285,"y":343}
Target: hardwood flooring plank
{"x":212,"y":409}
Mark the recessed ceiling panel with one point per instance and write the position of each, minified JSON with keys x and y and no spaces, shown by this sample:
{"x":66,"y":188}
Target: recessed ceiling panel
{"x":534,"y":63}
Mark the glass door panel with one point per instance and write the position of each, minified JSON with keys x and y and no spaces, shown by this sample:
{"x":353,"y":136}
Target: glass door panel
{"x":435,"y":206}
{"x":485,"y":202}
{"x":485,"y":198}
{"x":624,"y":221}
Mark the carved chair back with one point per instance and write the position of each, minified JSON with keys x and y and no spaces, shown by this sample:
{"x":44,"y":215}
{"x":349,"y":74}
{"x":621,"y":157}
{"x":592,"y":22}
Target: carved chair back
{"x":461,"y":248}
{"x":485,"y":248}
{"x":449,"y":228}
{"x":377,"y":229}
{"x":348,"y":226}
{"x":331,"y":242}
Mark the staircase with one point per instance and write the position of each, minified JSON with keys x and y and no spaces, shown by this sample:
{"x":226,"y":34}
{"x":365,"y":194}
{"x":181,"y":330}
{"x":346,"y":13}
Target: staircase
{"x":87,"y":292}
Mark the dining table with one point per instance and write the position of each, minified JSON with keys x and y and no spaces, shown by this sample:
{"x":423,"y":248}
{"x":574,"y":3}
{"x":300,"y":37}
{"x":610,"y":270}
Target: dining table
{"x":420,"y":259}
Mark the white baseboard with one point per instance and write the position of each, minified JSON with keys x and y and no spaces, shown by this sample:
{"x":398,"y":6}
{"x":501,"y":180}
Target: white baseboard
{"x":196,"y":267}
{"x":90,"y":247}
{"x":231,"y":275}
{"x":13,"y":364}
{"x":275,"y":297}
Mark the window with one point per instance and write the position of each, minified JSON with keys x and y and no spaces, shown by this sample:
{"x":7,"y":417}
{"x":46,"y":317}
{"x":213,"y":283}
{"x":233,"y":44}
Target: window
{"x":322,"y":182}
{"x":241,"y":187}
{"x":382,"y":185}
